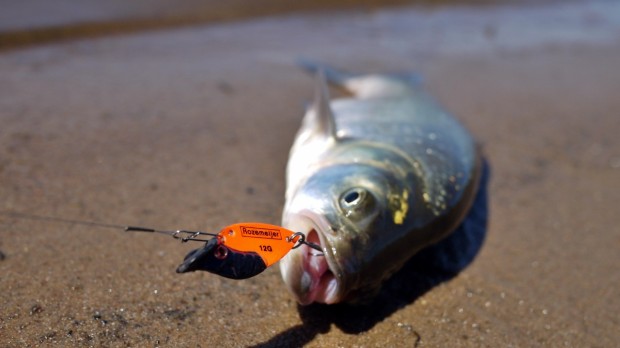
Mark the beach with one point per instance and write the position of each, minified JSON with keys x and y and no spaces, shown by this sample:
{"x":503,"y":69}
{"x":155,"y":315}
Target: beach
{"x":189,"y":127}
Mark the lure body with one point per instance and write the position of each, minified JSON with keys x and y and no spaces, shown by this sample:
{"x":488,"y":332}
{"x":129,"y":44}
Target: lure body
{"x":241,"y":250}
{"x":373,"y":179}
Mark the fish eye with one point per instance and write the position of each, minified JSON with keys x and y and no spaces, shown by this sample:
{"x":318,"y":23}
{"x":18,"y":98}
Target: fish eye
{"x":352,"y":197}
{"x":355,"y":200}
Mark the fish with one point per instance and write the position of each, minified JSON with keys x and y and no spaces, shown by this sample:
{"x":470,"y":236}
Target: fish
{"x":373,"y":177}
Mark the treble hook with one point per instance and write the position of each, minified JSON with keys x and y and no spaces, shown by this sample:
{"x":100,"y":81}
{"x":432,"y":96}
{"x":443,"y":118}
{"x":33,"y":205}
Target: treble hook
{"x":302,"y":240}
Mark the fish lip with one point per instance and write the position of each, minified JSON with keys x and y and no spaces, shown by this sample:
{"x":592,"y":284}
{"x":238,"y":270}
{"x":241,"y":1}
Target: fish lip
{"x":307,"y":221}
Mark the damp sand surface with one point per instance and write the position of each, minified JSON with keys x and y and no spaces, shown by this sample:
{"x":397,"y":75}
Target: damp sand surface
{"x":190,"y":128}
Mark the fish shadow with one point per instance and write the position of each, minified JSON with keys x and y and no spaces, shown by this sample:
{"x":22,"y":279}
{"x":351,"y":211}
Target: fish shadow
{"x":424,"y":271}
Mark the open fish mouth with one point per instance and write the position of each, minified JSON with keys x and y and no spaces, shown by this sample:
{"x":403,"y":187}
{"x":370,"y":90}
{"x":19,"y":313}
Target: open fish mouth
{"x":308,"y":273}
{"x":323,"y":283}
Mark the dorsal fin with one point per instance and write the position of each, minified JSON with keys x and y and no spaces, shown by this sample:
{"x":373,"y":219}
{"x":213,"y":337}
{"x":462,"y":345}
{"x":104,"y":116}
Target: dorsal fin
{"x":367,"y":85}
{"x":324,"y":123}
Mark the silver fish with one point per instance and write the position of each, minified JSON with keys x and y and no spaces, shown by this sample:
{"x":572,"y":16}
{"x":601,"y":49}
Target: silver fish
{"x":373,"y":179}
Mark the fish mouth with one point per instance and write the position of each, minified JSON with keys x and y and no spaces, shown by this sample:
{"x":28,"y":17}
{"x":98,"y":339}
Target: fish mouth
{"x":309,"y":274}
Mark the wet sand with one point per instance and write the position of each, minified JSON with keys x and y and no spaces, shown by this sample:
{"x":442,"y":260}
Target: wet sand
{"x":191,"y":127}
{"x":35,"y":22}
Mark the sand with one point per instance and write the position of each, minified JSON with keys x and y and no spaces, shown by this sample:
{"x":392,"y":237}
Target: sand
{"x":191,"y":127}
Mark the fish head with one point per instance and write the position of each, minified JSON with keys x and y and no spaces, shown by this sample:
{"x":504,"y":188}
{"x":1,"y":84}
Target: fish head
{"x":350,"y":210}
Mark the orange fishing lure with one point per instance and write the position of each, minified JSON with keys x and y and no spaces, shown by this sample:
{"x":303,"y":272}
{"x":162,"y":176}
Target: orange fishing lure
{"x":243,"y":250}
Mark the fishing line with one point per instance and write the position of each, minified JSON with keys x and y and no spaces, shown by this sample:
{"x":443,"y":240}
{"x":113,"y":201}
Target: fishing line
{"x":183,"y":235}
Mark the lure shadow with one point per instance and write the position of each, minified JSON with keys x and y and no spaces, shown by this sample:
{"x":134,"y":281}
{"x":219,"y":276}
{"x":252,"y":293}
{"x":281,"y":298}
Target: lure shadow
{"x":420,"y":274}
